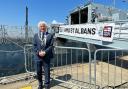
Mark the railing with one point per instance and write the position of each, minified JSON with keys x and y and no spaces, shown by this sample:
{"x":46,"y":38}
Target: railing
{"x":29,"y":58}
{"x":73,"y":66}
{"x":121,"y":30}
{"x":70,"y":65}
{"x":111,"y":68}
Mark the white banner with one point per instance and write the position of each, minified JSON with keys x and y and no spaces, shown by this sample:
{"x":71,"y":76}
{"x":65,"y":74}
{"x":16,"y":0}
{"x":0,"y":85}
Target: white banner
{"x":100,"y":31}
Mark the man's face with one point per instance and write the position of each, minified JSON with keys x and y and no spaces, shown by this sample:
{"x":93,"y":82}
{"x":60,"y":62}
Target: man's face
{"x":42,"y":27}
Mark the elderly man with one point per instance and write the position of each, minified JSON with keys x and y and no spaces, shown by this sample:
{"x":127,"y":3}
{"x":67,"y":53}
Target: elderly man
{"x":43,"y":45}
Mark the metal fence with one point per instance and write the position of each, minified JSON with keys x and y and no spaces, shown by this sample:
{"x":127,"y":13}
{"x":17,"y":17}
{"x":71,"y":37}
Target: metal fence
{"x":74,"y":67}
{"x":29,"y":58}
{"x":70,"y":65}
{"x":16,"y":34}
{"x":111,"y":68}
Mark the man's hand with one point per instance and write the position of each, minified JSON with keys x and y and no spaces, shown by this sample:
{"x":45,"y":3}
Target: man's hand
{"x":42,"y":53}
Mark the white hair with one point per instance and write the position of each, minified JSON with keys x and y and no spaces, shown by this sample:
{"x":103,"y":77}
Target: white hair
{"x":42,"y":22}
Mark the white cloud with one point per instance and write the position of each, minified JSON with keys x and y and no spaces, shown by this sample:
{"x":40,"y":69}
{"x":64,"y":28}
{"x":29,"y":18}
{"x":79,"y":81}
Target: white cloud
{"x":56,"y":22}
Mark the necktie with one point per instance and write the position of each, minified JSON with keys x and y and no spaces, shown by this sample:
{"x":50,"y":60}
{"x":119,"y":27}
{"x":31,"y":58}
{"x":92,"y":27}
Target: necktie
{"x":44,"y":38}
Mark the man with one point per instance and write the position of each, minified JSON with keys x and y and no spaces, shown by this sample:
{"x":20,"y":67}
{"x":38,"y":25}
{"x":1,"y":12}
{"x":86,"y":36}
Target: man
{"x":43,"y":45}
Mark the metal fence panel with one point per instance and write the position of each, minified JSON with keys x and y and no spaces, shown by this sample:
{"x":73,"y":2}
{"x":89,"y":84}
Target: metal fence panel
{"x":29,"y":58}
{"x":111,"y":68}
{"x":70,"y":65}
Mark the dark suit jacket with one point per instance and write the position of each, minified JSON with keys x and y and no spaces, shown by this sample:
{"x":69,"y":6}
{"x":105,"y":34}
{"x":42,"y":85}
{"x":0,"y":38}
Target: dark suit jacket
{"x":48,"y":48}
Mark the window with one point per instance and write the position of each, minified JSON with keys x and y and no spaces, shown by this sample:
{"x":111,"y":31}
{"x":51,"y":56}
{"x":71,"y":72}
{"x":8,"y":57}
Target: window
{"x":83,"y":16}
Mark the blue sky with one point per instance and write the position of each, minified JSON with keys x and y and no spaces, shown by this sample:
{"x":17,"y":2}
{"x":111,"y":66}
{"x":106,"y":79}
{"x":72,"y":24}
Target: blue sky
{"x":12,"y":12}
